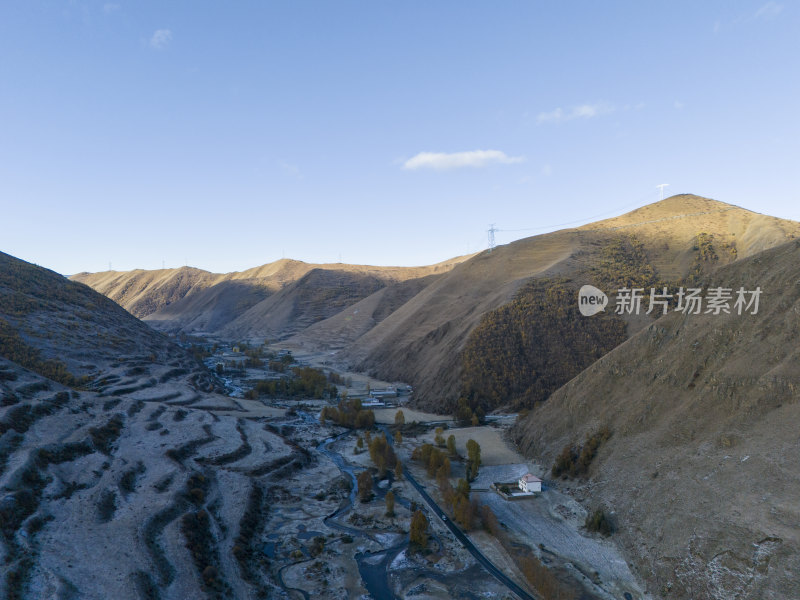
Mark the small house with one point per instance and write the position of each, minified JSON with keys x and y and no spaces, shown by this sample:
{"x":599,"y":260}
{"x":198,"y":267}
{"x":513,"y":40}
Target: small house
{"x":530,"y":483}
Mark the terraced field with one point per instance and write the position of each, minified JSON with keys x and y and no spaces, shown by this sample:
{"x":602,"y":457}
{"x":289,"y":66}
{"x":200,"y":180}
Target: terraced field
{"x":131,"y":491}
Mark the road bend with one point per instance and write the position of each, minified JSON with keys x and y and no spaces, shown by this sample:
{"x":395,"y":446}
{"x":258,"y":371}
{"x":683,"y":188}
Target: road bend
{"x":460,"y":535}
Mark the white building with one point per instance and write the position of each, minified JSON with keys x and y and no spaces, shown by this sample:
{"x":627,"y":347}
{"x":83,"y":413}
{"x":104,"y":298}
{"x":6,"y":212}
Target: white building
{"x":530,"y":483}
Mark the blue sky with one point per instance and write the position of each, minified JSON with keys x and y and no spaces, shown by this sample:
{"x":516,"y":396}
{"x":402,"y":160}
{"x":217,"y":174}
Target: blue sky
{"x":229,"y":134}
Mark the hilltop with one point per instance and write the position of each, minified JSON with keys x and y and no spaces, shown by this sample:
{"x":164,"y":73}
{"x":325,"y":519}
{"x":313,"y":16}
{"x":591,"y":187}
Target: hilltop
{"x":702,"y":411}
{"x":425,"y":339}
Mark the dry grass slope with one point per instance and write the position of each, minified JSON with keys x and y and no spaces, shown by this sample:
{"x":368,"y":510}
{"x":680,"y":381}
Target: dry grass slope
{"x":422,"y":341}
{"x":195,"y":301}
{"x":703,"y":410}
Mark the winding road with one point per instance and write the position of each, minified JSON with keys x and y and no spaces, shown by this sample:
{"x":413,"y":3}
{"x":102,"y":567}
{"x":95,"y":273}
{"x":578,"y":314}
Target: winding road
{"x":460,"y":535}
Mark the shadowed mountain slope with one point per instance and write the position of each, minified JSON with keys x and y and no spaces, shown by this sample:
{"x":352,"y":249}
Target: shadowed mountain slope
{"x":61,"y":328}
{"x":701,"y":470}
{"x":348,"y":325}
{"x":240,"y":304}
{"x":135,"y":456}
{"x":144,"y":292}
{"x":318,"y":295}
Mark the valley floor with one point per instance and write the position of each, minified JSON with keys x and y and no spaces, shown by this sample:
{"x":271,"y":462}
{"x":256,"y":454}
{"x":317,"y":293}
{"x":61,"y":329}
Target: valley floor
{"x":145,"y":487}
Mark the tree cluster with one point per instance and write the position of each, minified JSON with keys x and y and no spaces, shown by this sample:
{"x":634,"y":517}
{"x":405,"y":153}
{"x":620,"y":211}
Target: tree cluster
{"x":389,"y":503}
{"x":365,"y":486}
{"x":382,"y":454}
{"x":599,"y":522}
{"x":451,"y":445}
{"x":431,"y":458}
{"x":349,"y":413}
{"x":706,"y":258}
{"x":439,"y":437}
{"x":523,"y":351}
{"x":623,"y":263}
{"x":456,"y":500}
{"x":574,"y":460}
{"x":468,"y":413}
{"x":473,"y":459}
{"x":418,"y":534}
{"x":335,"y":378}
{"x":304,"y":382}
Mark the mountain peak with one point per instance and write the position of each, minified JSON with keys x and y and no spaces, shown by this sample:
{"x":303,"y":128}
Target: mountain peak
{"x":681,"y":211}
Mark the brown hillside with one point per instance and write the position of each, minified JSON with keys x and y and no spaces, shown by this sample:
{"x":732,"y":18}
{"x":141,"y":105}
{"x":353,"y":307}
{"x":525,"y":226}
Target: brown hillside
{"x":700,"y":471}
{"x":67,"y":332}
{"x":318,"y":295}
{"x":196,"y":301}
{"x":211,"y":308}
{"x":346,"y":326}
{"x":420,"y":342}
{"x":144,"y":292}
{"x":423,"y":340}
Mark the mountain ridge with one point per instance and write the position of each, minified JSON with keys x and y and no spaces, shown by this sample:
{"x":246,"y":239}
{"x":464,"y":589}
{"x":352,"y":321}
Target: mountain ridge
{"x":702,"y":411}
{"x":422,"y":338}
{"x":423,"y":346}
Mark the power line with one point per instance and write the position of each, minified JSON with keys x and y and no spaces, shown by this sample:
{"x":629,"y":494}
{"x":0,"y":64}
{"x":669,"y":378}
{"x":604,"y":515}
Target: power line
{"x":492,"y":229}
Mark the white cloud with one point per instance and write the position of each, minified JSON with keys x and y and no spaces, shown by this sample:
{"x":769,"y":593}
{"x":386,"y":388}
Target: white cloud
{"x":582,"y":111}
{"x":678,"y":105}
{"x":456,"y":160}
{"x":547,"y":170}
{"x":586,"y":111}
{"x":552,"y":116}
{"x":637,"y":106}
{"x":769,"y":11}
{"x":290,"y":169}
{"x":160,"y":39}
{"x":111,"y":7}
{"x":766,"y":12}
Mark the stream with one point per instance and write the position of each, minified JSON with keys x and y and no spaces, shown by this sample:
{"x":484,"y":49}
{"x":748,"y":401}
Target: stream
{"x":372,"y":566}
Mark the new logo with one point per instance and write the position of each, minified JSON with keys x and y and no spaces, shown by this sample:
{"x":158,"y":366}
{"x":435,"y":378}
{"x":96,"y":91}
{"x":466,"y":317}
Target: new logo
{"x":591,"y":300}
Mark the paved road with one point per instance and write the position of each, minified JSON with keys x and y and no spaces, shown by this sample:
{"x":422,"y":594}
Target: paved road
{"x":460,"y":536}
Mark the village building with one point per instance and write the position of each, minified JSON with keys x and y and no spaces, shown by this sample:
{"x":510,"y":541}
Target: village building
{"x":530,"y":483}
{"x":372,"y":403}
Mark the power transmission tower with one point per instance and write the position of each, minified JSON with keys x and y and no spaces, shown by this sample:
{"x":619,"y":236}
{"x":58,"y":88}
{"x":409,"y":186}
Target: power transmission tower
{"x":661,"y":187}
{"x":491,"y":231}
